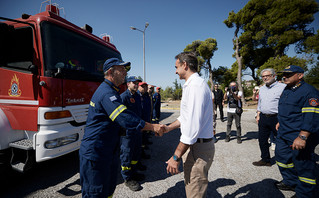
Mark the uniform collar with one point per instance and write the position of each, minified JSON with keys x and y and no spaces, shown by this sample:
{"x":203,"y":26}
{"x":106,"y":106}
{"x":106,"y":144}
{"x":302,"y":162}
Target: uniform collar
{"x":112,"y":85}
{"x":297,"y":85}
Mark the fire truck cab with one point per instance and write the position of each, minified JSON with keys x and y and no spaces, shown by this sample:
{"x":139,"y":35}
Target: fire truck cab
{"x":49,"y":69}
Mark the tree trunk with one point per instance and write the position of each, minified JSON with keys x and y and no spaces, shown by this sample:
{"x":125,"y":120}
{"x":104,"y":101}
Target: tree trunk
{"x":240,"y":65}
{"x":210,"y":71}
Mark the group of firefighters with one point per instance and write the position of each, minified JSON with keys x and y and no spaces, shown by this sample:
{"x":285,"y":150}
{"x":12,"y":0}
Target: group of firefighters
{"x":115,"y":121}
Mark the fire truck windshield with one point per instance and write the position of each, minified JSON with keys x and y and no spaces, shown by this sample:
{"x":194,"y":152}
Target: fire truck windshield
{"x":73,"y":55}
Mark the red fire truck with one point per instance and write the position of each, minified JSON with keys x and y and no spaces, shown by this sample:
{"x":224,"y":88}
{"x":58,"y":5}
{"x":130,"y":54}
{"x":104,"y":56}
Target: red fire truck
{"x":49,"y":69}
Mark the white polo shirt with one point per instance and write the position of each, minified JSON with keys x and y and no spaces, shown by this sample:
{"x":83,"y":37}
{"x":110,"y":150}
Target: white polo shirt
{"x":196,"y":112}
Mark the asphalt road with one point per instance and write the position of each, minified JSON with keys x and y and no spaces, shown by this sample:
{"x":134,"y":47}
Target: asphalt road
{"x":231,"y":175}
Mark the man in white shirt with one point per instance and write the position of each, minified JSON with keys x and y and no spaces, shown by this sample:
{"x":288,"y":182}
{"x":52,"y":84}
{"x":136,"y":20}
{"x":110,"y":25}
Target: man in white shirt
{"x":196,"y":147}
{"x":233,"y":96}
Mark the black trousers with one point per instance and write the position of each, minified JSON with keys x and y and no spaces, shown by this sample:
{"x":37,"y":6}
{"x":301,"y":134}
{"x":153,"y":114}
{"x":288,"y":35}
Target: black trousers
{"x":220,"y":106}
{"x":266,"y":126}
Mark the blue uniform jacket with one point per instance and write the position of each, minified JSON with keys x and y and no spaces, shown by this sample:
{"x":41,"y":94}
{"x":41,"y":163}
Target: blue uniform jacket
{"x":298,"y":110}
{"x":157,"y":101}
{"x":132,"y":102}
{"x":146,"y":107}
{"x":106,"y":114}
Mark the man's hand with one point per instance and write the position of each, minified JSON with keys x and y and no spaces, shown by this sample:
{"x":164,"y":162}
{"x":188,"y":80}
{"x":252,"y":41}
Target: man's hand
{"x":277,"y":126}
{"x":159,"y":129}
{"x":172,"y":166}
{"x":257,"y":117}
{"x":298,"y":144}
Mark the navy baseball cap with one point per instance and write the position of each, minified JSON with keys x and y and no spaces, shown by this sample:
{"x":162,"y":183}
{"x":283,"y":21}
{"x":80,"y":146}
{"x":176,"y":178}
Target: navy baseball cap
{"x":292,"y":69}
{"x":115,"y":61}
{"x":133,"y":79}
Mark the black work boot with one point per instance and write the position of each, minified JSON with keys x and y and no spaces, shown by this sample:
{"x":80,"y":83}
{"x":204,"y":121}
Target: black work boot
{"x":227,"y":139}
{"x":133,"y":185}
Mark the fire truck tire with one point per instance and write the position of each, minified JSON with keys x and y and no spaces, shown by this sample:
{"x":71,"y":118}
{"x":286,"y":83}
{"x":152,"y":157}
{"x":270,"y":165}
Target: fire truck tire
{"x":5,"y":156}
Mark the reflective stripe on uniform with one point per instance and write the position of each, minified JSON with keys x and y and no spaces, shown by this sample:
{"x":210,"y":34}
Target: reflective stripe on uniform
{"x":310,"y":110}
{"x":134,"y":162}
{"x":308,"y":180}
{"x":285,"y":165}
{"x":117,"y":112}
{"x":110,"y":196}
{"x":124,"y":168}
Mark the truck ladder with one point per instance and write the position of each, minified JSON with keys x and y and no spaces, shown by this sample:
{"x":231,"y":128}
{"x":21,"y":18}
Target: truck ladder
{"x":23,"y":155}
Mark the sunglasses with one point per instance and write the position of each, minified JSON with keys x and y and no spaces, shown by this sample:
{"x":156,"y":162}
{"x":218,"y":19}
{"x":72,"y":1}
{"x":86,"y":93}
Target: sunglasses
{"x":288,"y":75}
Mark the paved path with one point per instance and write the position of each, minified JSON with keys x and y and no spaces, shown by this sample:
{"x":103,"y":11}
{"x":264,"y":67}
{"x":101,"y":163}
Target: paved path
{"x":231,"y":174}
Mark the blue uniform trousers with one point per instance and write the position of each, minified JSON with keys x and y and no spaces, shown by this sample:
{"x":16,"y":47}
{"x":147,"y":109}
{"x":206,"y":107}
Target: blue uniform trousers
{"x":266,"y":126}
{"x":131,"y":148}
{"x":98,"y":178}
{"x":297,"y":167}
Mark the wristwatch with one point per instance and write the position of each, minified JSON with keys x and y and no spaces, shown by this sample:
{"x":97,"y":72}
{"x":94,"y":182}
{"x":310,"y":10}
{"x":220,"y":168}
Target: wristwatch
{"x":175,"y":158}
{"x":302,"y":137}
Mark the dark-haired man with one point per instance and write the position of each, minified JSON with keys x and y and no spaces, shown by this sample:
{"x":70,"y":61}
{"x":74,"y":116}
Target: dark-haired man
{"x":196,"y":122}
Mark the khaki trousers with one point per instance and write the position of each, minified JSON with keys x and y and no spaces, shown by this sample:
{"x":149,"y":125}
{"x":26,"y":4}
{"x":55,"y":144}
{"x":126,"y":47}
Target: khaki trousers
{"x":196,"y":163}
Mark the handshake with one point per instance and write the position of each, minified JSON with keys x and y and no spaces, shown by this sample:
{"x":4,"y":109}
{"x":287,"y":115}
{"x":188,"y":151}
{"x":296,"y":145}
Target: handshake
{"x":160,"y":129}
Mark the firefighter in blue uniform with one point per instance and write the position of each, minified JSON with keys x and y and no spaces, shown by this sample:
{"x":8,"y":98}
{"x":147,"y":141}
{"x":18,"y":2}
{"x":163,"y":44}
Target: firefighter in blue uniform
{"x":156,"y":105}
{"x":146,"y":116}
{"x":100,"y":144}
{"x":131,"y":143}
{"x":298,"y":130}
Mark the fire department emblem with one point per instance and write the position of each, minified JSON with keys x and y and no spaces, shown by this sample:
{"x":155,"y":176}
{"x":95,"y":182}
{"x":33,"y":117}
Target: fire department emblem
{"x":313,"y":102}
{"x":132,"y":100}
{"x":14,"y":91}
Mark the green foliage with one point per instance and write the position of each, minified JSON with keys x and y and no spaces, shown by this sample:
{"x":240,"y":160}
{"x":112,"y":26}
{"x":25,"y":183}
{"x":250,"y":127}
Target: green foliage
{"x":268,"y":27}
{"x":204,"y":50}
{"x":167,"y":93}
{"x":279,"y":63}
{"x":172,"y":93}
{"x":311,"y":45}
{"x":312,"y":76}
{"x":223,"y":76}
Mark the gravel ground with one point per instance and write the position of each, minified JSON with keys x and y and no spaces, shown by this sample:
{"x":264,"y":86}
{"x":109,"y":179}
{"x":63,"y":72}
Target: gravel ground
{"x":231,"y":174}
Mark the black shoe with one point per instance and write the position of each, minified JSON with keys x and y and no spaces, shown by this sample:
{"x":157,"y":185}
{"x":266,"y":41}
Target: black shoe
{"x":141,"y":167}
{"x":133,"y":185}
{"x":227,"y":139}
{"x":138,"y":177}
{"x":223,"y":120}
{"x":261,"y":163}
{"x":238,"y":140}
{"x":215,"y":139}
{"x":282,"y":186}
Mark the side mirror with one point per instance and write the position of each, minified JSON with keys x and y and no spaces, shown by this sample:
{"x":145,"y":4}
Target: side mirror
{"x":33,"y":69}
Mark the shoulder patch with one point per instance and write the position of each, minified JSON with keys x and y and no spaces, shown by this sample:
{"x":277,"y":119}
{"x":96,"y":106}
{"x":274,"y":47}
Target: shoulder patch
{"x":132,"y":100}
{"x":313,"y":102}
{"x":112,"y":98}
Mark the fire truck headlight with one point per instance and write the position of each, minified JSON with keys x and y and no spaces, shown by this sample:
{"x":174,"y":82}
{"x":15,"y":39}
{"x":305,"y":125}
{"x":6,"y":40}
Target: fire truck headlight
{"x":61,"y":141}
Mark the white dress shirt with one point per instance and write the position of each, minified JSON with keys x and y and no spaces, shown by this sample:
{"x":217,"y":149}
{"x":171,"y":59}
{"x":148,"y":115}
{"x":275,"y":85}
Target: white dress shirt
{"x":196,"y":112}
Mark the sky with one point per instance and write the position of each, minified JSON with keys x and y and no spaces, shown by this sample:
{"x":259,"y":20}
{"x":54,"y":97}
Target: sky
{"x":173,"y":24}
